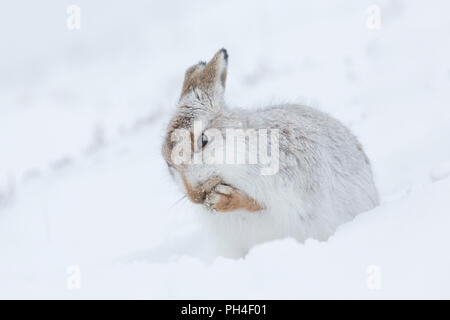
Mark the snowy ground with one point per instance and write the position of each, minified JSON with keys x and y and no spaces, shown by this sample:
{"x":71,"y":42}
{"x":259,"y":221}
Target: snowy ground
{"x":88,"y":210}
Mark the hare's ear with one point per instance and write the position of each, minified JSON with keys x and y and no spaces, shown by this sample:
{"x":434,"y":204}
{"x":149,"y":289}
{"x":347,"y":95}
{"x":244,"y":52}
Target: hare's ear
{"x":215,"y":72}
{"x":190,"y":77}
{"x":210,"y":77}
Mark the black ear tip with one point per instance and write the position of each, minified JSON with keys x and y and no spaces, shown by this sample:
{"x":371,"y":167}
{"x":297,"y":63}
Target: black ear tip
{"x":225,"y":53}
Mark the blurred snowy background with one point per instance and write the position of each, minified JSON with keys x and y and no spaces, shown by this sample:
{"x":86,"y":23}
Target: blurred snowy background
{"x":88,"y":209}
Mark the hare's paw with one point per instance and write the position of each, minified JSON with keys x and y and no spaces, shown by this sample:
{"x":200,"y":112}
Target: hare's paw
{"x":226,"y":199}
{"x":219,"y":198}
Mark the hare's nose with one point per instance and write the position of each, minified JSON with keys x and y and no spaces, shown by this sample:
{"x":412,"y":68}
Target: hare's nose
{"x":195,"y":194}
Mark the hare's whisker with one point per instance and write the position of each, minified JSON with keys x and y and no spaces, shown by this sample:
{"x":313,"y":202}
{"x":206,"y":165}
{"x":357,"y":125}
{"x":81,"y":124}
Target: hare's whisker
{"x":178,"y":201}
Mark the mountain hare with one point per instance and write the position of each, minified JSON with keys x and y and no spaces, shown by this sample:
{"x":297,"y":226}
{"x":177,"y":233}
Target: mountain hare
{"x":310,"y":174}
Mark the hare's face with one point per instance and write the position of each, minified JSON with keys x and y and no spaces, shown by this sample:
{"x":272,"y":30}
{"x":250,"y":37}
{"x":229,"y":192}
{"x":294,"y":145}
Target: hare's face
{"x":194,"y":136}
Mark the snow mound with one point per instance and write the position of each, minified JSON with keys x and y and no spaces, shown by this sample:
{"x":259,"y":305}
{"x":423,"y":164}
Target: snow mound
{"x":440,"y":172}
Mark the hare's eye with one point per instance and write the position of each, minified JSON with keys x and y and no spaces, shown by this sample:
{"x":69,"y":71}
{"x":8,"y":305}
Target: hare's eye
{"x":204,"y":140}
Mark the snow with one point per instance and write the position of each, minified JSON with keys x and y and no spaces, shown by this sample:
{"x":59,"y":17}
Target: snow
{"x":441,"y":171}
{"x":88,"y":209}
